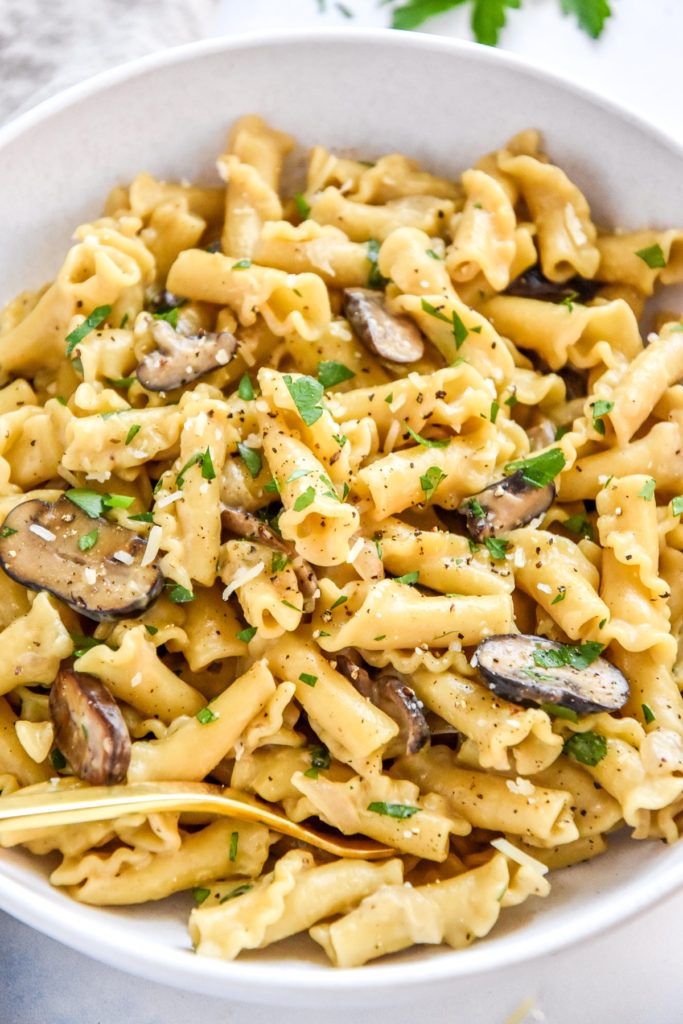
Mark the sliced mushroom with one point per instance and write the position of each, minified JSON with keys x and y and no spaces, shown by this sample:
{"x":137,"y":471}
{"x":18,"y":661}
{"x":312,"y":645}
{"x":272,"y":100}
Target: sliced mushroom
{"x":389,"y":336}
{"x":532,"y":669}
{"x":181,"y":358}
{"x":541,"y":432}
{"x":89,"y":728}
{"x":39,"y":547}
{"x":533,"y":284}
{"x":245,"y":524}
{"x":505,"y":505}
{"x":393,"y":696}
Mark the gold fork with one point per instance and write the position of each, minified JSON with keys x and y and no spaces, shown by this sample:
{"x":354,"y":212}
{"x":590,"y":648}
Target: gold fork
{"x":76,"y":804}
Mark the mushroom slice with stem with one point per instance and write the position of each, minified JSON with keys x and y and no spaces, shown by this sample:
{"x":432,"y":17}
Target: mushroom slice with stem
{"x":179,"y":359}
{"x":392,"y":695}
{"x":392,"y":337}
{"x":245,"y":524}
{"x":532,"y":669}
{"x":92,"y":564}
{"x":89,"y":728}
{"x":505,"y":505}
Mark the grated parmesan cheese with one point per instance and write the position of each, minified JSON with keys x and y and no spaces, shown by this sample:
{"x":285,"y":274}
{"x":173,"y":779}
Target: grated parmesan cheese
{"x":153,"y":542}
{"x":519,"y":856}
{"x":123,"y":556}
{"x":355,"y":551}
{"x":242,"y":576}
{"x":40,"y":531}
{"x":168,"y":499}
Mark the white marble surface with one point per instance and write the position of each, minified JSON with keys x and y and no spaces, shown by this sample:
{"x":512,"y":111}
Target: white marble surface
{"x":630,"y":975}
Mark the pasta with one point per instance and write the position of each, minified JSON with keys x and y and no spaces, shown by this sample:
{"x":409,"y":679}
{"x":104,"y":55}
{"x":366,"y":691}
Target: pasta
{"x":277,"y":474}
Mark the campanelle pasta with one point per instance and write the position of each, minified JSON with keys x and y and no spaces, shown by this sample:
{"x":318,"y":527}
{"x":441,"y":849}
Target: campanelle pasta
{"x":291,"y":408}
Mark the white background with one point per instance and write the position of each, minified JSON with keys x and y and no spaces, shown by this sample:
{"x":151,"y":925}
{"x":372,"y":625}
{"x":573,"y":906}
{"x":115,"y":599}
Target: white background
{"x":631,"y":975}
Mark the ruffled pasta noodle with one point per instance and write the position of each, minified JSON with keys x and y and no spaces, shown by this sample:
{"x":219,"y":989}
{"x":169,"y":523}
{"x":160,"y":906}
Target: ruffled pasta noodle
{"x":313,"y":643}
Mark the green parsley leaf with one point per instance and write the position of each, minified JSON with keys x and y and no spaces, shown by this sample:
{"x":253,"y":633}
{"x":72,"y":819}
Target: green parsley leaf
{"x":320,"y":761}
{"x":408,"y":578}
{"x":475,"y":508}
{"x":308,"y":679}
{"x":307,"y":393}
{"x":89,"y":324}
{"x":653,"y":256}
{"x":382,"y":636}
{"x":251,"y":458}
{"x":124,"y":320}
{"x":88,"y":540}
{"x":578,"y":656}
{"x":586,"y":747}
{"x":512,"y":400}
{"x":241,"y":265}
{"x":305,"y":499}
{"x":83,"y":643}
{"x":200,"y":894}
{"x":375,"y":279}
{"x":648,"y":714}
{"x":208,"y":472}
{"x":557,"y":711}
{"x":488,"y":18}
{"x":340,"y":600}
{"x":600,"y":409}
{"x":77,"y":364}
{"x":61,"y":399}
{"x":278,"y":561}
{"x":297,"y":474}
{"x":580,"y":524}
{"x":58,"y":760}
{"x":331,"y":373}
{"x":474,"y":547}
{"x":431,"y":480}
{"x":392,"y":810}
{"x":192,"y":461}
{"x":560,"y":597}
{"x":288,"y":604}
{"x":170,"y":313}
{"x":677,"y":505}
{"x":7,"y":531}
{"x":180,"y":595}
{"x":234,"y":840}
{"x":245,"y":389}
{"x":272,"y":486}
{"x":152,"y":630}
{"x":245,"y":635}
{"x":206,"y":715}
{"x":239,"y":891}
{"x":94,"y":504}
{"x":647,"y":491}
{"x":496,"y":546}
{"x":341,"y":439}
{"x":561,"y":431}
{"x":302,"y":206}
{"x":413,"y":13}
{"x":539,"y":470}
{"x":143,"y":517}
{"x":425,"y":442}
{"x":132,"y":432}
{"x":591,"y":14}
{"x":434,"y":255}
{"x":494,"y":411}
{"x":569,"y":301}
{"x":460,"y":332}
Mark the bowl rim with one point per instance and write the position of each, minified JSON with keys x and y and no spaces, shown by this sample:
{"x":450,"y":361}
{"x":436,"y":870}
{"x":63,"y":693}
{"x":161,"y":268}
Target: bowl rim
{"x":62,"y":919}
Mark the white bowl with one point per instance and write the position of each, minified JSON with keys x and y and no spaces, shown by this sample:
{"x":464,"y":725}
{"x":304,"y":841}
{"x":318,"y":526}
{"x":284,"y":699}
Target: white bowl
{"x":444,"y":103}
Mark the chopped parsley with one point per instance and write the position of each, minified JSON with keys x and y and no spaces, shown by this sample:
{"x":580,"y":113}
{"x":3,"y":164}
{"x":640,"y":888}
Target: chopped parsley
{"x":408,"y":578}
{"x":142,"y":517}
{"x":251,"y":458}
{"x":200,"y":894}
{"x":392,"y":810}
{"x":653,"y":256}
{"x":600,"y":409}
{"x":496,"y":546}
{"x":152,"y":630}
{"x":239,"y":891}
{"x":677,"y":505}
{"x":278,"y":561}
{"x":302,"y":206}
{"x":307,"y":393}
{"x":460,"y":332}
{"x":7,"y":531}
{"x":557,"y":711}
{"x":475,"y":508}
{"x":331,"y":373}
{"x":560,"y":596}
{"x":202,"y":459}
{"x":305,"y":499}
{"x":431,"y":480}
{"x":308,"y":679}
{"x":245,"y":635}
{"x":121,"y":382}
{"x":234,"y":840}
{"x":341,"y":439}
{"x":58,"y":760}
{"x":88,"y":540}
{"x":170,"y":313}
{"x":82,"y":643}
{"x":586,"y":747}
{"x":180,"y":595}
{"x":245,"y":388}
{"x":425,"y":442}
{"x":580,"y":524}
{"x":320,"y":761}
{"x":97,"y":317}
{"x":206,"y":715}
{"x":241,"y":265}
{"x":272,"y":486}
{"x":647,"y":491}
{"x":434,"y":255}
{"x":539,"y":470}
{"x":95,"y":504}
{"x":288,"y":604}
{"x":648,"y":714}
{"x":132,"y":432}
{"x":578,"y":656}
{"x":340,"y":600}
{"x":494,"y":411}
{"x":375,"y":278}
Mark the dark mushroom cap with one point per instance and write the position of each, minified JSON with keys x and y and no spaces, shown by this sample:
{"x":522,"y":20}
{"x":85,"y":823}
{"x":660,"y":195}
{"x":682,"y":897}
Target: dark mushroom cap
{"x":89,"y":728}
{"x":39,"y":548}
{"x":533,"y":284}
{"x":505,"y":505}
{"x":391,"y":695}
{"x":392,"y":337}
{"x":181,"y":358}
{"x":532,"y":669}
